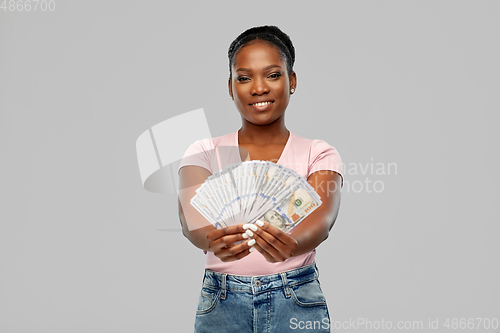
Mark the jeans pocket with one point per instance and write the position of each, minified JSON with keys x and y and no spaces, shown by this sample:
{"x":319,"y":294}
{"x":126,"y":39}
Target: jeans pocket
{"x":208,"y":300}
{"x":308,"y":294}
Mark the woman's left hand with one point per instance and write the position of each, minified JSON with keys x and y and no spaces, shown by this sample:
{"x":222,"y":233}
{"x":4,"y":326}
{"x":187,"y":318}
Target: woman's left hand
{"x":274,"y":244}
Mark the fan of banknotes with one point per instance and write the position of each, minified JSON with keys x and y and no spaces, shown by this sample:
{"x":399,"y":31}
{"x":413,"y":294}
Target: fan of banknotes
{"x":256,"y":190}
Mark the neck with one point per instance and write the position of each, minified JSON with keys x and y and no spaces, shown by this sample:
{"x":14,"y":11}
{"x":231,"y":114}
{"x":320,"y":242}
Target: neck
{"x":261,"y":135}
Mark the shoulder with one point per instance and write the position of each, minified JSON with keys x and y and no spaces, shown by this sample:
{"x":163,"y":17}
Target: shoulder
{"x":209,"y":144}
{"x":320,"y":155}
{"x":314,"y":146}
{"x":203,"y":152}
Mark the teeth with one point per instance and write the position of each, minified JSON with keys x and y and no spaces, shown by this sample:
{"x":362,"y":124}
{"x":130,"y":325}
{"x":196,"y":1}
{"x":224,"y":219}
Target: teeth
{"x":262,"y":104}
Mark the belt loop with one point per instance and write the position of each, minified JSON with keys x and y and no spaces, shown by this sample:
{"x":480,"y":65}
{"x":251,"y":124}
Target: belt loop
{"x":285,"y":285}
{"x":223,"y":286}
{"x":317,"y":270}
{"x":204,"y":278}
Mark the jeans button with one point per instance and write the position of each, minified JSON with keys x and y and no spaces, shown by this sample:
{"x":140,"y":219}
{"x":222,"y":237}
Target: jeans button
{"x":258,"y":283}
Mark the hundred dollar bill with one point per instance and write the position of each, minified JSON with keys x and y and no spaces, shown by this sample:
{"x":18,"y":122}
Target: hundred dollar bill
{"x":206,"y":210}
{"x":276,"y":184}
{"x":292,"y":206}
{"x":215,"y":190}
{"x":268,"y":178}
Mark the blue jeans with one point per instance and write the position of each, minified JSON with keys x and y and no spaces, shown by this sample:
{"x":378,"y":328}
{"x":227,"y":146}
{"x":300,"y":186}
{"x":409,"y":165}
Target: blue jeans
{"x":290,"y":301}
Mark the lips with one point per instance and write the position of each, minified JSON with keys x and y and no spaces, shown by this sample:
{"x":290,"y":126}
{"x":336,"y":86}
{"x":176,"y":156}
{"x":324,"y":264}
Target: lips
{"x":262,"y":106}
{"x":262,"y":103}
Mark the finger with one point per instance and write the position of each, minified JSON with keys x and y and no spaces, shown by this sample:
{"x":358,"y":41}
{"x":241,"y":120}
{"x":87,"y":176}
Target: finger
{"x":226,"y":241}
{"x":277,"y":254}
{"x":276,"y":232}
{"x":238,"y":256}
{"x":275,"y":241}
{"x":264,"y":253}
{"x":231,"y":230}
{"x":237,"y":251}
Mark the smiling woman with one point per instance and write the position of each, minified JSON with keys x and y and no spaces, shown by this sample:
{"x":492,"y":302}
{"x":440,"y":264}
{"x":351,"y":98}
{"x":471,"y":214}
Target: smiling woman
{"x":261,"y":86}
{"x":263,"y":290}
{"x":263,"y":79}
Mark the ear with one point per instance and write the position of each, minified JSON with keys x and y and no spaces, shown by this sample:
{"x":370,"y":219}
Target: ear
{"x":293,"y":81}
{"x":230,"y":87}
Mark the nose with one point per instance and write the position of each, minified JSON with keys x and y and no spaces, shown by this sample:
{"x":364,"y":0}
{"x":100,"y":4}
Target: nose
{"x":259,"y":86}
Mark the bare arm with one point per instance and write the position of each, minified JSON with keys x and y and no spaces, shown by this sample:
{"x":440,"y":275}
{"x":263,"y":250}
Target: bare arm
{"x":195,"y":227}
{"x":315,"y":228}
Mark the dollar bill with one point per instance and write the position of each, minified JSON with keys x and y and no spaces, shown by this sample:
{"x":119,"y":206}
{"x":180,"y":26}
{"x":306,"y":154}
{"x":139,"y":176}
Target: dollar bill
{"x":252,"y":190}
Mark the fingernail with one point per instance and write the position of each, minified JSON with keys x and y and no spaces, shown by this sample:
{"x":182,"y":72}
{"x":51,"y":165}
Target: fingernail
{"x":252,"y":226}
{"x":259,"y":223}
{"x":251,"y":242}
{"x":250,"y":249}
{"x":249,"y":233}
{"x":244,"y":235}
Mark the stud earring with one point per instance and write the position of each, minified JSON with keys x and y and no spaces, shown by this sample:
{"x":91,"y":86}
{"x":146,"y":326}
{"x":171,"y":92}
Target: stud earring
{"x":292,"y":90}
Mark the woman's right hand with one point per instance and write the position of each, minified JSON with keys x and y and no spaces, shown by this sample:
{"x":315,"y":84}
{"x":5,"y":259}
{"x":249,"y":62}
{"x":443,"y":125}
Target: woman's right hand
{"x":221,"y":242}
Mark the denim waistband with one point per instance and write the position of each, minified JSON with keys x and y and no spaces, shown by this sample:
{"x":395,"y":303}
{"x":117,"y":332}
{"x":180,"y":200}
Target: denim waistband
{"x":261,"y":283}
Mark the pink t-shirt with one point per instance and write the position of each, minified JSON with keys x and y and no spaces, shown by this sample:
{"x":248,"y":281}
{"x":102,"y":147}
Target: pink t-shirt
{"x":302,"y":155}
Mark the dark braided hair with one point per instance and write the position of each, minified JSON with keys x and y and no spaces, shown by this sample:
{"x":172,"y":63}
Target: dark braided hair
{"x":268,"y":33}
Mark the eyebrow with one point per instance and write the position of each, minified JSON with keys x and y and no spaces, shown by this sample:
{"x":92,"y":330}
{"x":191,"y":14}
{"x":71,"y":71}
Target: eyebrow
{"x":265,"y":68}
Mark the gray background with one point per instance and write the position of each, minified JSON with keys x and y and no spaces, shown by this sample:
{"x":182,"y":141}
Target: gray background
{"x":83,"y":247}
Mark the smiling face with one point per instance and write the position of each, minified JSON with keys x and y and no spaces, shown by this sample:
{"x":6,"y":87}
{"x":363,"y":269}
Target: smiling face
{"x":260,"y":84}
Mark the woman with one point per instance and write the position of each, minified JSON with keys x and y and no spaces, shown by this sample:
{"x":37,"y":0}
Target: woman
{"x":275,"y":288}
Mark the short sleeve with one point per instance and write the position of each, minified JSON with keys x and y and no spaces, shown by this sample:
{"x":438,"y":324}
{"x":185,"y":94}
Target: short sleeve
{"x":325,"y":157}
{"x":198,"y":153}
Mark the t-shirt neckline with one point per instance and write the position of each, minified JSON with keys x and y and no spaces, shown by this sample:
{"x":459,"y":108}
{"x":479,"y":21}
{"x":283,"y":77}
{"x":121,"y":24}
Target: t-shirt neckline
{"x":282,"y":153}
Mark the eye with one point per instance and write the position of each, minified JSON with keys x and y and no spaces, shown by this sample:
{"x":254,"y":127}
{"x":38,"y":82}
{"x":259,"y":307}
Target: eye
{"x":275,"y":75}
{"x":242,"y":79}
